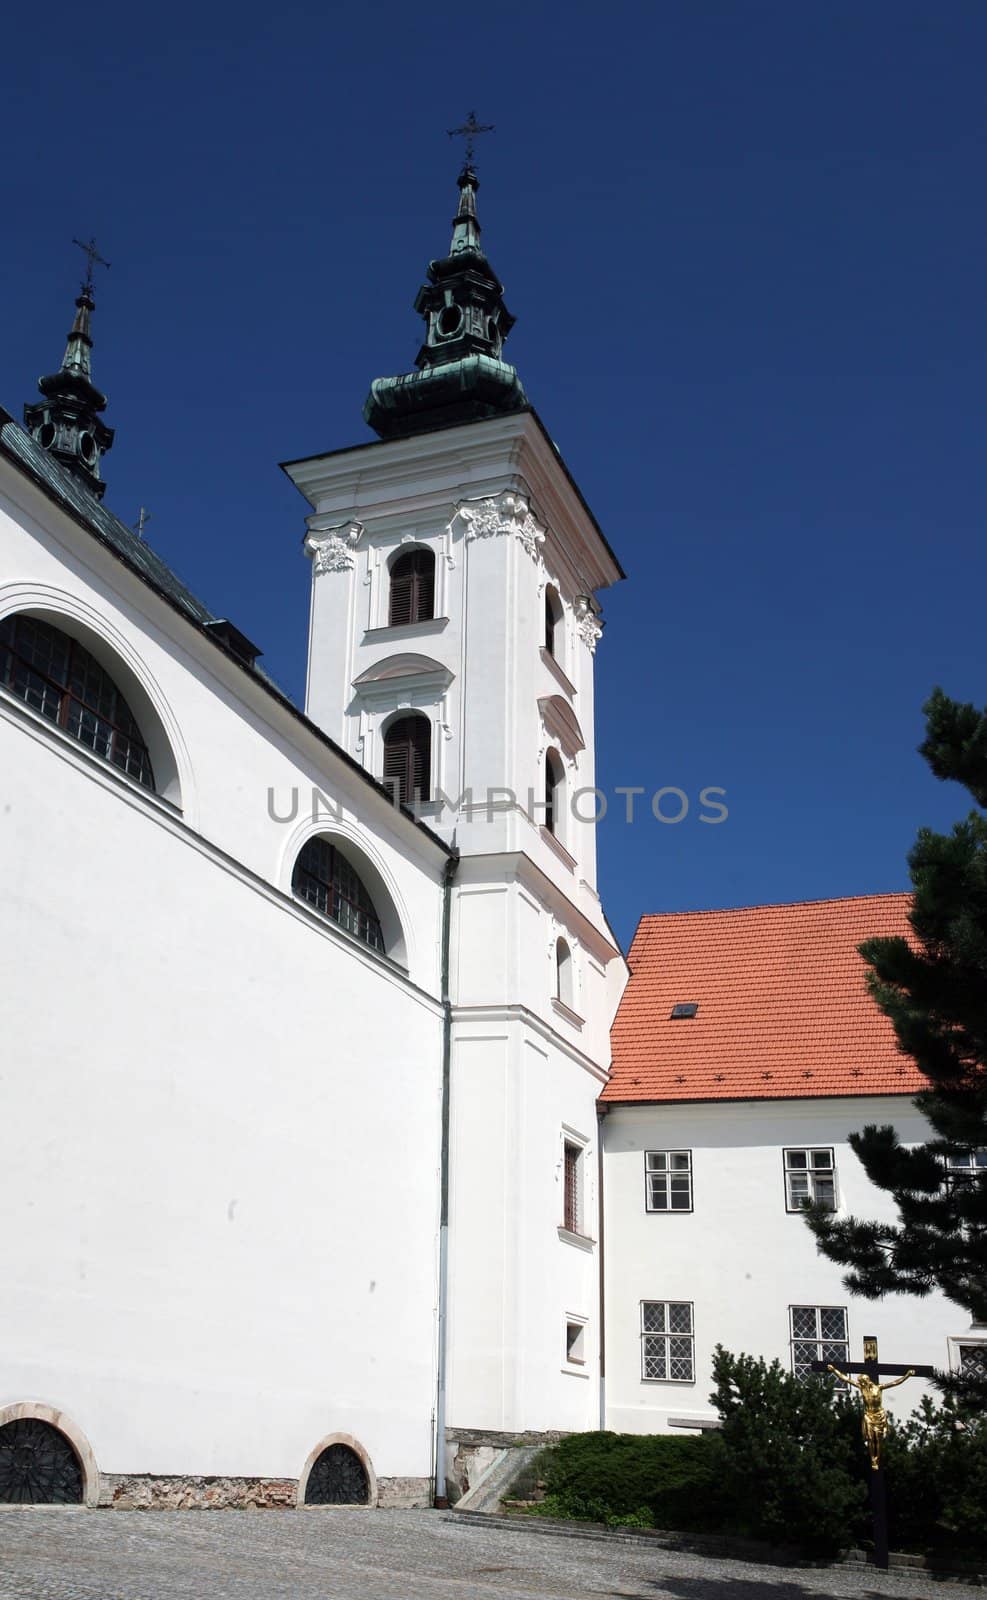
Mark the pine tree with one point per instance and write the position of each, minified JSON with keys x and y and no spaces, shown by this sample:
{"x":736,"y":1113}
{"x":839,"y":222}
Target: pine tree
{"x":934,"y":990}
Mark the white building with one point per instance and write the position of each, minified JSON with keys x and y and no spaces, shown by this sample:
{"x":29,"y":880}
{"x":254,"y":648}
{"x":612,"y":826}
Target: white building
{"x":308,"y":1016}
{"x":745,"y":1050}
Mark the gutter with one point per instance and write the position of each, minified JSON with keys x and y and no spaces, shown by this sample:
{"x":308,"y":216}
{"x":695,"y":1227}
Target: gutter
{"x":601,"y":1115}
{"x":441,"y":1499}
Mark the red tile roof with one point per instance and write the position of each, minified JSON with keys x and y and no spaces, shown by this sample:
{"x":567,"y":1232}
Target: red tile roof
{"x":783,"y":1007}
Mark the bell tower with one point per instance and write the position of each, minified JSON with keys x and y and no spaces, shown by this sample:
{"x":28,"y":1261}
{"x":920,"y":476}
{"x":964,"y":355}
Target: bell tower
{"x":67,"y":420}
{"x":453,"y":637}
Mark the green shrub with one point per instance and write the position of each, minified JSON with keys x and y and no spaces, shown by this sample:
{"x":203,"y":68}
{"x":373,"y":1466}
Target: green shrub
{"x":618,"y":1477}
{"x":937,"y":1482}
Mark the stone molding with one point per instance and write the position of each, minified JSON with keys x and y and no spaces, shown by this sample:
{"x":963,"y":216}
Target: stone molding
{"x":332,"y":549}
{"x":588,"y":625}
{"x":506,"y":513}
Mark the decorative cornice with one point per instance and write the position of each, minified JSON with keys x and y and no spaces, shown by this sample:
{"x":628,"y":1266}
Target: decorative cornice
{"x":332,"y":549}
{"x":588,"y":624}
{"x":503,"y":513}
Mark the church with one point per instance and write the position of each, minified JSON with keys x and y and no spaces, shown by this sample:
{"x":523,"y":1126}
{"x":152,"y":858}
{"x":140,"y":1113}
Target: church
{"x":323,"y":1189}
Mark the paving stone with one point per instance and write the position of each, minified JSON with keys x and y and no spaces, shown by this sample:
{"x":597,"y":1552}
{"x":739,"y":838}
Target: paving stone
{"x":49,"y":1553}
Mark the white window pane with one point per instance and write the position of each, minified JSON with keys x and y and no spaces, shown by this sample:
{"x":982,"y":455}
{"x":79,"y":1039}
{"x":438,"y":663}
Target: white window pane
{"x":656,"y":1160}
{"x":658,"y":1192}
{"x":823,"y":1159}
{"x":680,"y":1160}
{"x":653,"y":1316}
{"x":680,"y":1318}
{"x":832,"y":1322}
{"x":803,"y":1322}
{"x":795,"y":1158}
{"x":681,"y":1199}
{"x":824,"y":1192}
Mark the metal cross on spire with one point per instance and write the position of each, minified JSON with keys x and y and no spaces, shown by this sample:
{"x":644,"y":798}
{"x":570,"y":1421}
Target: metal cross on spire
{"x":469,"y":131}
{"x":92,"y":257}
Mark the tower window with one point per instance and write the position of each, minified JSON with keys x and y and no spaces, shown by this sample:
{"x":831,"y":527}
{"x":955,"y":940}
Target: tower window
{"x":58,"y":677}
{"x":572,"y":1198}
{"x":325,"y":878}
{"x":408,"y":759}
{"x":554,"y":779}
{"x":553,"y":618}
{"x":563,"y":973}
{"x":412,"y":597}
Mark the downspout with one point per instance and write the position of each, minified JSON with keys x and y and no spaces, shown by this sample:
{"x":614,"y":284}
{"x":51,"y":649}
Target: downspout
{"x":601,"y":1113}
{"x":441,"y":1498}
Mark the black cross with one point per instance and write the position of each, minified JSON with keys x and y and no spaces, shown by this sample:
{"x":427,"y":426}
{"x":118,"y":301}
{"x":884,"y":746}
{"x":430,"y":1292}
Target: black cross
{"x":469,"y":131}
{"x":92,"y":256}
{"x":872,"y":1367}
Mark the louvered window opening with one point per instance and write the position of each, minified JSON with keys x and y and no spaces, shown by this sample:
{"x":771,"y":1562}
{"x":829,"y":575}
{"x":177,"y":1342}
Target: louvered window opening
{"x":819,"y":1333}
{"x":552,"y":784}
{"x":667,"y":1341}
{"x":552,"y":617}
{"x":408,"y":759}
{"x":570,"y":1203}
{"x":58,"y":677}
{"x":326,"y":880}
{"x":412,"y":597}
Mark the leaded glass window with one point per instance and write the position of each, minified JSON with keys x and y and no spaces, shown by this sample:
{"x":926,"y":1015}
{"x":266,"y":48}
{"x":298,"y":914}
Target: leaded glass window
{"x":668,"y":1180}
{"x":326,"y":880}
{"x":819,"y":1333}
{"x":60,"y":679}
{"x":973,"y":1359}
{"x":810,"y":1178}
{"x":667,"y":1341}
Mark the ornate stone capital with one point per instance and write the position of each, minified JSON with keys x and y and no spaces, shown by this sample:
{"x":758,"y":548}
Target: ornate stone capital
{"x":332,"y":549}
{"x":588,"y":624}
{"x":503,"y":513}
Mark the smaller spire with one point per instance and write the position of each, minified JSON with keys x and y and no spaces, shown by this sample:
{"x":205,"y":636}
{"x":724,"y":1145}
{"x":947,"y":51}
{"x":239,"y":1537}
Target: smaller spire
{"x":66,"y":422}
{"x":466,"y":223}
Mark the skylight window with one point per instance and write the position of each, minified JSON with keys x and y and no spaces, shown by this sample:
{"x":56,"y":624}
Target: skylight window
{"x":684,"y":1008}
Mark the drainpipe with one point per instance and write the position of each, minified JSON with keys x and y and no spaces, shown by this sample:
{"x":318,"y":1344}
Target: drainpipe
{"x":601,"y":1113}
{"x":441,"y":1499}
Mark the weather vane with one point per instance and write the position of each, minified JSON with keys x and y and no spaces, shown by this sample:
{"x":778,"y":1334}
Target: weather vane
{"x":92,"y":256}
{"x":469,"y":131}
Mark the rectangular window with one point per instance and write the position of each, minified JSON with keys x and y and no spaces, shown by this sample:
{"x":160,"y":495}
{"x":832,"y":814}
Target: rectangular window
{"x":810,"y":1175}
{"x":973,"y":1358}
{"x":819,"y":1333}
{"x":575,"y":1342}
{"x":969,"y":1166}
{"x":667,"y":1341}
{"x":572,"y":1198}
{"x":668,"y":1180}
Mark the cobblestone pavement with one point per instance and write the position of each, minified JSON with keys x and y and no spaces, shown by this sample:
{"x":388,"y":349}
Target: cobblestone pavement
{"x":69,"y":1554}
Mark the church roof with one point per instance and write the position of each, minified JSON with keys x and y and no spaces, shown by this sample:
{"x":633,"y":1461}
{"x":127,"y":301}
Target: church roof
{"x":781,"y":1007}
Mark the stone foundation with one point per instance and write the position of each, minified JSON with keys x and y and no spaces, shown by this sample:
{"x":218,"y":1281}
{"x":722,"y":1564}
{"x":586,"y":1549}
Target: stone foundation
{"x":470,"y":1452}
{"x":137,"y":1492}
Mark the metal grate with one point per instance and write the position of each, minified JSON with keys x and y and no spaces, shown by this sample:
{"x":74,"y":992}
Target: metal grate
{"x":325,"y":878}
{"x":667,"y":1342}
{"x":819,"y":1333}
{"x":570,"y":1214}
{"x":338,"y":1478}
{"x":38,"y":1466}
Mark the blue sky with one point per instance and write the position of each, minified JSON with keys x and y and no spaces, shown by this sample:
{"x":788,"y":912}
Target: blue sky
{"x":745,"y":245}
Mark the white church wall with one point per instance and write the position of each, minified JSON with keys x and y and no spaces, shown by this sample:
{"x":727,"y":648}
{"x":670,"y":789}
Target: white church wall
{"x":740,"y":1258}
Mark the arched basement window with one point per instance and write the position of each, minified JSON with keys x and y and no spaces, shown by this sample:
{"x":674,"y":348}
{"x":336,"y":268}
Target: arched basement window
{"x":338,"y":1478}
{"x":57,"y":676}
{"x":412,"y":597}
{"x":553,"y":616}
{"x":326,"y":880}
{"x":553,"y":791}
{"x":408,"y":759}
{"x":38,"y":1465}
{"x":563,"y":973}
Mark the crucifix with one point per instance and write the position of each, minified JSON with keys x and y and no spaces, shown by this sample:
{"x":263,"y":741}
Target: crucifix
{"x":92,"y":257}
{"x":469,"y":131}
{"x":874,"y":1425}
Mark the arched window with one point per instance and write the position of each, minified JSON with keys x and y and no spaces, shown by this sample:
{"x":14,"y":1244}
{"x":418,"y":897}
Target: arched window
{"x":412,"y":596}
{"x":38,"y":1465}
{"x":563,"y":973}
{"x":553,"y":616}
{"x":408,"y":759}
{"x":58,"y":677}
{"x":554,"y":779}
{"x":325,"y":878}
{"x":338,"y":1478}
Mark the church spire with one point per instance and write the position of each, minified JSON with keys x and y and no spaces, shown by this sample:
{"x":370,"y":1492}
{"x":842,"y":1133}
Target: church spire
{"x":66,"y":422}
{"x":461,"y":376}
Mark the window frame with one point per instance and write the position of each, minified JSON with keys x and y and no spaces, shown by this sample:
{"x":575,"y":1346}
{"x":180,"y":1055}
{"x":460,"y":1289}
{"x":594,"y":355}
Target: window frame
{"x":405,"y":791}
{"x":789,"y":1171}
{"x":668,"y":1172}
{"x":420,"y":586}
{"x":553,"y":618}
{"x":818,"y":1342}
{"x":666,"y":1335}
{"x":333,"y":885}
{"x":580,"y":1324}
{"x":573,"y":1215}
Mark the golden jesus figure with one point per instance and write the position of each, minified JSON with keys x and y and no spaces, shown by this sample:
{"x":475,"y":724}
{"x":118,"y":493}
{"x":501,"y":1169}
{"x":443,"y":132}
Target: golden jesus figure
{"x":874,"y":1420}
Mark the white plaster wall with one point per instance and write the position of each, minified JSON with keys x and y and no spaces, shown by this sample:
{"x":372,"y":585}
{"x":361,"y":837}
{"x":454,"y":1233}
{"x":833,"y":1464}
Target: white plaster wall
{"x":740,"y":1257}
{"x":223,"y":1115}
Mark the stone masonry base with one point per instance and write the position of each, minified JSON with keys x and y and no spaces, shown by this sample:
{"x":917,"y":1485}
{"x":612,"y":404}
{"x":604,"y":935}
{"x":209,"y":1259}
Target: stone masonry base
{"x":136,"y":1492}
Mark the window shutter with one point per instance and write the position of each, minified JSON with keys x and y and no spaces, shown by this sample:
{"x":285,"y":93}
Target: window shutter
{"x":407,"y":758}
{"x":412,"y":597}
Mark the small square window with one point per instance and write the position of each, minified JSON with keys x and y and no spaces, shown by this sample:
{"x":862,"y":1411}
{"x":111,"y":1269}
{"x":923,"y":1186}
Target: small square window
{"x":668,"y":1180}
{"x":819,"y":1333}
{"x":683,"y":1009}
{"x":810,"y":1178}
{"x":575,"y":1342}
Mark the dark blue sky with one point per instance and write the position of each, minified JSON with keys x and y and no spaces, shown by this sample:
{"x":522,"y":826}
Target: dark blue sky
{"x":745,"y":245}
